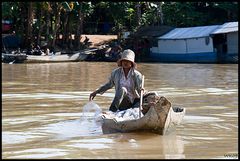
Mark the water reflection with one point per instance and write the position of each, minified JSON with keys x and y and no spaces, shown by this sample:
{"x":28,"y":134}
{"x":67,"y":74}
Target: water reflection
{"x":136,"y":145}
{"x":173,"y":147}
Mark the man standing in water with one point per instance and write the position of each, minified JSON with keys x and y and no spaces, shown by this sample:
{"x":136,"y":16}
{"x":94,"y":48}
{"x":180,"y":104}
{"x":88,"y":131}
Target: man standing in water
{"x":127,"y":81}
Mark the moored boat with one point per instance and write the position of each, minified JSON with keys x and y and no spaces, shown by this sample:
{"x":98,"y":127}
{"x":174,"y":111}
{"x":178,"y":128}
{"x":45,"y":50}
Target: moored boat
{"x":61,"y":57}
{"x":13,"y":58}
{"x":53,"y":58}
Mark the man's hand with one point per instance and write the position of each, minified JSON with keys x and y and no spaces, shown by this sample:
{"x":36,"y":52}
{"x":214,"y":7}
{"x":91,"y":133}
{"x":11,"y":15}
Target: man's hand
{"x":92,"y":95}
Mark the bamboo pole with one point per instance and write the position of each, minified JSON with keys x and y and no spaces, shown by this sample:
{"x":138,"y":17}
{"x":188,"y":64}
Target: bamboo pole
{"x":141,"y":97}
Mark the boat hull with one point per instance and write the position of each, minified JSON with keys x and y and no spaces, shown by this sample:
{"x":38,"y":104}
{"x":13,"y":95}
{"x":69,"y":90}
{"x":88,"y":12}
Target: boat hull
{"x":160,"y":119}
{"x":54,"y":58}
{"x":14,"y":58}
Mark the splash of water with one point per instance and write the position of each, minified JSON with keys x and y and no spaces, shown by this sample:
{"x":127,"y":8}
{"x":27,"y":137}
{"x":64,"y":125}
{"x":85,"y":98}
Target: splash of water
{"x":85,"y":126}
{"x":91,"y":110}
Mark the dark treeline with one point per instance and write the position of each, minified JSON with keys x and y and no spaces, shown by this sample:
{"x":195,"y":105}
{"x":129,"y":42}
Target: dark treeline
{"x":47,"y":22}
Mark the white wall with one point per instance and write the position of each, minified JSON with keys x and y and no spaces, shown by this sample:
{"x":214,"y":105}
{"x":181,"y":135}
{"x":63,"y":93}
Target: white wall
{"x":199,"y":45}
{"x":172,"y":46}
{"x":184,"y":46}
{"x":232,"y":42}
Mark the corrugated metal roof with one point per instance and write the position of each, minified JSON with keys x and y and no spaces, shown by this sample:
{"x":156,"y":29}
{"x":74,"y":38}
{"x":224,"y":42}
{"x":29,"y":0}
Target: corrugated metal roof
{"x":189,"y":32}
{"x":227,"y":27}
{"x":151,"y":31}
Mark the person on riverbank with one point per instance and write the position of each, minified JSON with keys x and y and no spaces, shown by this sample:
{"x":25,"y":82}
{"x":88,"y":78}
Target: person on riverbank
{"x":127,"y":81}
{"x":115,"y":51}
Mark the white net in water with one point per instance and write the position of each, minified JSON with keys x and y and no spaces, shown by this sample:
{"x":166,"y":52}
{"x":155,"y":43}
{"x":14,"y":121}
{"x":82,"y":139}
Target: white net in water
{"x":129,"y":114}
{"x":92,"y":111}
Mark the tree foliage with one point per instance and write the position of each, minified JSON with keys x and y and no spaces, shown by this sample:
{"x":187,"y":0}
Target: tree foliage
{"x":52,"y":19}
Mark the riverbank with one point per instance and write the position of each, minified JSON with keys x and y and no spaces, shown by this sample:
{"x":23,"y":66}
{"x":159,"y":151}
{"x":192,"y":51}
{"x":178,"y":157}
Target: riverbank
{"x":98,"y":40}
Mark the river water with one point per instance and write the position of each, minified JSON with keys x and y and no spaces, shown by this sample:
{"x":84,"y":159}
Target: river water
{"x":43,"y":113}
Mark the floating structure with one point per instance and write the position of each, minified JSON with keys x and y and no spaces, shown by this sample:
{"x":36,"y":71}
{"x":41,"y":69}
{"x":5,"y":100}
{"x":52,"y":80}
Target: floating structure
{"x":203,"y":44}
{"x":225,"y":40}
{"x":186,"y":45}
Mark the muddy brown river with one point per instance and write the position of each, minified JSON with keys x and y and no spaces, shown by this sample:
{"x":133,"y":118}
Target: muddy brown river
{"x":42,"y":112}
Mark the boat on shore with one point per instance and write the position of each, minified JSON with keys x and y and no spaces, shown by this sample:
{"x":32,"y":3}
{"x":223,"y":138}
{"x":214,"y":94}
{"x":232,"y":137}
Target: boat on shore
{"x":54,"y":58}
{"x":11,"y":58}
{"x":160,"y":118}
{"x":74,"y":56}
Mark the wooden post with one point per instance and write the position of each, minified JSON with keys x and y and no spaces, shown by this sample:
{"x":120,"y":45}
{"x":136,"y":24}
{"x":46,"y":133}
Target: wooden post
{"x":141,"y":97}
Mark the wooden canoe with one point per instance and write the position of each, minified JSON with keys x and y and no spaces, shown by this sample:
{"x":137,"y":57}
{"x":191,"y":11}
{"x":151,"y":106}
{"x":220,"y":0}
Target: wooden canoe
{"x":61,"y":57}
{"x":160,"y":119}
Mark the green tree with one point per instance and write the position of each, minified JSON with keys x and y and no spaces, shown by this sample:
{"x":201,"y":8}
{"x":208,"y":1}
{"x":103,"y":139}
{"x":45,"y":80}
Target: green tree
{"x":49,"y":19}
